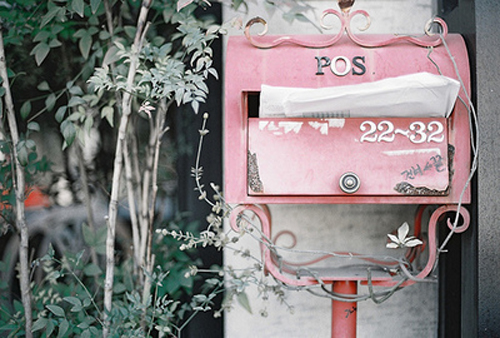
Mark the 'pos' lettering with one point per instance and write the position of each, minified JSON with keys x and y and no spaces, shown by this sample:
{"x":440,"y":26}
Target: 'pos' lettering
{"x":341,"y":65}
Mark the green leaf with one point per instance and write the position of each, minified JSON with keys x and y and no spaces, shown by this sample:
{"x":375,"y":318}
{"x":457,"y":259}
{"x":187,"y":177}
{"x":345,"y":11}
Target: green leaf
{"x":69,"y":132}
{"x":33,"y":126}
{"x":18,"y":306}
{"x":83,"y":326}
{"x":57,"y":310}
{"x":111,"y":56}
{"x":104,"y":35}
{"x":50,"y":102}
{"x":237,"y":3}
{"x":195,"y":105}
{"x":130,"y":31}
{"x":41,"y":36}
{"x":40,"y":51}
{"x":44,"y":87}
{"x":76,"y":302}
{"x":51,"y":252}
{"x":108,"y":113}
{"x":77,"y":116}
{"x":75,"y":101}
{"x":86,"y":333}
{"x":92,"y":270}
{"x":30,"y":144}
{"x":89,"y":122}
{"x":78,"y":6}
{"x":80,"y":33}
{"x":25,"y":109}
{"x":84,"y":44}
{"x":94,"y":5}
{"x":88,"y":235}
{"x":39,"y":324}
{"x":86,"y":302}
{"x":213,"y":71}
{"x":76,"y":90}
{"x":55,"y":43}
{"x":63,"y":328}
{"x":73,"y":300}
{"x":301,"y":17}
{"x":49,"y":328}
{"x":56,"y":29}
{"x":244,"y":302}
{"x":119,"y":288}
{"x":22,"y":153}
{"x":61,"y":111}
{"x":92,"y":30}
{"x":51,"y":14}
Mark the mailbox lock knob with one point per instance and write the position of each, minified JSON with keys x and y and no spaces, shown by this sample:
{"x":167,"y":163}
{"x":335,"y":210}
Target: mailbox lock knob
{"x":349,"y":183}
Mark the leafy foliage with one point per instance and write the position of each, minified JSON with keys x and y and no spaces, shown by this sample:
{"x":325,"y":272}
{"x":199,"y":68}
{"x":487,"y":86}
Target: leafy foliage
{"x":71,"y":64}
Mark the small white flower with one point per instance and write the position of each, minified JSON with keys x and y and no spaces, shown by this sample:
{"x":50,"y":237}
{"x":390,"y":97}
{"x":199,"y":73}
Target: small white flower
{"x":401,"y":240}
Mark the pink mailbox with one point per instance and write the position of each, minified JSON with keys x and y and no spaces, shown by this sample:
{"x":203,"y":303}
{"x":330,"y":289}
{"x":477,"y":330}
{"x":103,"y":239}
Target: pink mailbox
{"x":388,"y":159}
{"x":347,"y":119}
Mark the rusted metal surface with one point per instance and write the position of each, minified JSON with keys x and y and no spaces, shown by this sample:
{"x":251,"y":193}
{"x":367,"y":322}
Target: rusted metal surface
{"x":254,"y":182}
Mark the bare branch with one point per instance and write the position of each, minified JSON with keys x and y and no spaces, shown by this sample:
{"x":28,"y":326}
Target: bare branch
{"x":118,"y":163}
{"x":19,"y":186}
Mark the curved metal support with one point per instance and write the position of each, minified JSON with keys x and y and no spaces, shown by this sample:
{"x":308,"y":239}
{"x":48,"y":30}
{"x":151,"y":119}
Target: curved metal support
{"x":276,"y":269}
{"x":436,"y":215}
{"x":263,"y":214}
{"x":428,"y":40}
{"x":432,"y":242}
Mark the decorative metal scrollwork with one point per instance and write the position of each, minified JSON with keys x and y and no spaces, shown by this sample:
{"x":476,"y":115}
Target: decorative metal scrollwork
{"x":428,"y":40}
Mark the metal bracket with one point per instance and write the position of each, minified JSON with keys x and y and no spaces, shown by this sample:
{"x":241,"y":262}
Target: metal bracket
{"x":284,"y":271}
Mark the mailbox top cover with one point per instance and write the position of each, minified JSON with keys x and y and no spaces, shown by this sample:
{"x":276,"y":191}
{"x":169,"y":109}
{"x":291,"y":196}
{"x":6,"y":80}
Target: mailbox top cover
{"x":392,"y":159}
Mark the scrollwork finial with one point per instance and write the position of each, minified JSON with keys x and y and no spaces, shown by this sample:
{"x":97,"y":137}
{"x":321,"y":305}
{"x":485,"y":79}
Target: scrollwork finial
{"x":345,"y":17}
{"x":345,"y":5}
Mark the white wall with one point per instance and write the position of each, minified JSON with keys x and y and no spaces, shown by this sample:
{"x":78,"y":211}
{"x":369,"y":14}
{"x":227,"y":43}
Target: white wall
{"x":411,"y":312}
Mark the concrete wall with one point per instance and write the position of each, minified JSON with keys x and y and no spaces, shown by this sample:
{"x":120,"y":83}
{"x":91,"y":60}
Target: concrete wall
{"x":411,"y":312}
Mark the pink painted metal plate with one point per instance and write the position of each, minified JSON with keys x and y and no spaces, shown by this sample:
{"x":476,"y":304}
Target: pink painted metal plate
{"x":310,"y":156}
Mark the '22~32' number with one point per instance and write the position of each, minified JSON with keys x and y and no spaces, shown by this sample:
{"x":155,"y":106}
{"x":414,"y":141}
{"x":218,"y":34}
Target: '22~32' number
{"x":418,"y":132}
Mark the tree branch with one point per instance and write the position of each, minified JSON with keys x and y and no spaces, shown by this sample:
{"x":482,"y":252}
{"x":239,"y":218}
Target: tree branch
{"x":19,"y":187}
{"x":118,"y":163}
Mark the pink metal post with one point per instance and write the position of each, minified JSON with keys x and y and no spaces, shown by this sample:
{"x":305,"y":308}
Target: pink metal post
{"x":344,"y":314}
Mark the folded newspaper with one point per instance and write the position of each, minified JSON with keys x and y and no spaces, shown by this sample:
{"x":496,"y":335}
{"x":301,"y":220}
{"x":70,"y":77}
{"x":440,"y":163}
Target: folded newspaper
{"x":414,"y":95}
